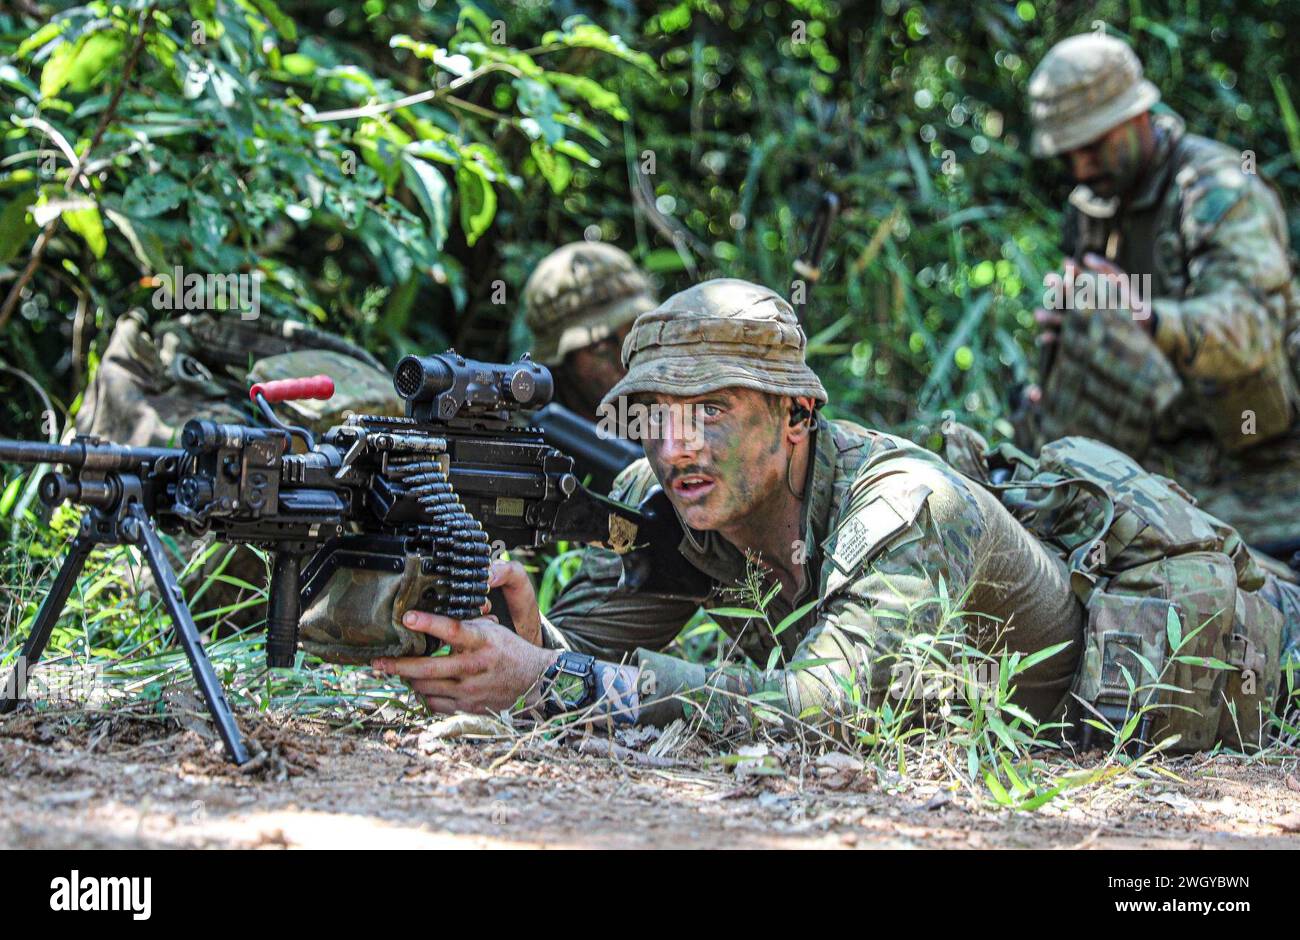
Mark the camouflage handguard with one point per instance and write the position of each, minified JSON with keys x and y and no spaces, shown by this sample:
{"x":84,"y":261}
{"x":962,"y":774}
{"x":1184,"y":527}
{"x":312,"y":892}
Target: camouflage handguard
{"x":358,"y":617}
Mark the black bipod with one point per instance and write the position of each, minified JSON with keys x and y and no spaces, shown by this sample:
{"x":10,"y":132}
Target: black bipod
{"x":126,"y":524}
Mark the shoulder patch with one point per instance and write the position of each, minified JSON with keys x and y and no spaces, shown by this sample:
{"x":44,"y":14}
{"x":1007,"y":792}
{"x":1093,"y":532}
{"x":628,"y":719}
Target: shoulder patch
{"x":862,"y":536}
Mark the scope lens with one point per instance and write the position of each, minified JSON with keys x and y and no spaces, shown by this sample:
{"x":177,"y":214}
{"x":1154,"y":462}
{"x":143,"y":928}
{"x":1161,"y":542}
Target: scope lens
{"x":422,"y":378}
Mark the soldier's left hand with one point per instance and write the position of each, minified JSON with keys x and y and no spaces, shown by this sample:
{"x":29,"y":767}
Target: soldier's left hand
{"x":488,"y":669}
{"x":1138,"y":306}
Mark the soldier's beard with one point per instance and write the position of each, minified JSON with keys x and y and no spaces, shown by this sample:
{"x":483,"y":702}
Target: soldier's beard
{"x":1103,"y":185}
{"x":1121,"y":159}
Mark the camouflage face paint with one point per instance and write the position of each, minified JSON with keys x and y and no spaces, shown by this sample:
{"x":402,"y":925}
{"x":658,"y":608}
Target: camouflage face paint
{"x":736,"y":465}
{"x":1121,"y":157}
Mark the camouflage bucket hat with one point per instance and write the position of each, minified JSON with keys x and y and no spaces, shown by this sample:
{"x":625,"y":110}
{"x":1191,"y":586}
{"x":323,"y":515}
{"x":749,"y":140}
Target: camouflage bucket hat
{"x":1085,"y":86}
{"x":579,"y":294}
{"x":724,"y":333}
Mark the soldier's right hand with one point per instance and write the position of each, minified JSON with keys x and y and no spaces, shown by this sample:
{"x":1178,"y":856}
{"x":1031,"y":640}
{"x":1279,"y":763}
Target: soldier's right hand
{"x":521,"y":599}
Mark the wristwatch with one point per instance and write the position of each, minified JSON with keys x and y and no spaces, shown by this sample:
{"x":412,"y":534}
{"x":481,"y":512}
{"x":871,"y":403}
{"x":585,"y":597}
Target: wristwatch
{"x":569,"y":683}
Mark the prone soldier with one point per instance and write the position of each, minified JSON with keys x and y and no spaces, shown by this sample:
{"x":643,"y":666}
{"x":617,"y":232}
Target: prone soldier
{"x":866,"y":540}
{"x":580,"y":301}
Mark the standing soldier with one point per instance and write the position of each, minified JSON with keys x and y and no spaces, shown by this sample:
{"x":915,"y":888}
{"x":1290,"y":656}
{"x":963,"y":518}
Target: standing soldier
{"x":579,"y":303}
{"x":1174,"y":332}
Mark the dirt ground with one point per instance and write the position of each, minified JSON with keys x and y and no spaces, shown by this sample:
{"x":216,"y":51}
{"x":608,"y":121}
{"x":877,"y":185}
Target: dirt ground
{"x":135,"y":780}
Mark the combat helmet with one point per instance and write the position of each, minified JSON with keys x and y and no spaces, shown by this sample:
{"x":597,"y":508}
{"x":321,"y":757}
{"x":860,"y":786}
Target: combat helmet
{"x":1085,"y":86}
{"x":579,"y":294}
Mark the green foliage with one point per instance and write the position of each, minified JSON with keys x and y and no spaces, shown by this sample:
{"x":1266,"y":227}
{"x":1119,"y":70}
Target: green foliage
{"x":242,"y":143}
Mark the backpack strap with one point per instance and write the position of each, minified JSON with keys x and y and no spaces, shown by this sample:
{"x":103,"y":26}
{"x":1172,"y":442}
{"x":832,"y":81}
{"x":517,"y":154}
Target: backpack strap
{"x":1081,"y":558}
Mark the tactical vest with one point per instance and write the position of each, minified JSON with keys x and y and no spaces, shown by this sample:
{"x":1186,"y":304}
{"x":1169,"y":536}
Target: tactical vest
{"x":1171,"y":595}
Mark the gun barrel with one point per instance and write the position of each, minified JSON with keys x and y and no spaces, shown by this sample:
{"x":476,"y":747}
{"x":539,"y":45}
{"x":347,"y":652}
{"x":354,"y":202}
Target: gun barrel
{"x":82,"y":453}
{"x":603,"y":458}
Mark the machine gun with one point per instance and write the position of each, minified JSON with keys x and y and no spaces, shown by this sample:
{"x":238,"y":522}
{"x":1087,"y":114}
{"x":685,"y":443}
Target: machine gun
{"x":445,"y":482}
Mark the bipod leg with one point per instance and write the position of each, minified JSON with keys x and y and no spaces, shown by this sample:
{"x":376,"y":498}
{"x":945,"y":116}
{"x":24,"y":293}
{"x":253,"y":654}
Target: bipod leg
{"x":138,"y":528}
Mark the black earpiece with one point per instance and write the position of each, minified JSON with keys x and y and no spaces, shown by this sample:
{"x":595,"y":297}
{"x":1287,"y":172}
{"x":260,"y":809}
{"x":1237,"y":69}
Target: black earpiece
{"x":799,"y":413}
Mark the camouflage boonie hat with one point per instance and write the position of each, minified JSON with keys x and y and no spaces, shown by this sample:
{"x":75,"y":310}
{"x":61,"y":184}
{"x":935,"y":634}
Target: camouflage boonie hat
{"x":724,"y":333}
{"x":1085,"y":86}
{"x":579,"y":294}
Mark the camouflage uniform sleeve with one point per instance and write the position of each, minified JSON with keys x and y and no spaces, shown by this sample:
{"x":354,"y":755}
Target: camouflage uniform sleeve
{"x":1225,"y":327}
{"x":897,"y":565}
{"x":592,"y":616}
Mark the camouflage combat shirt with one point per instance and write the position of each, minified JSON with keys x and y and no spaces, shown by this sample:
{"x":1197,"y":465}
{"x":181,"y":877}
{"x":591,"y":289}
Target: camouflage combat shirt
{"x":1212,"y":235}
{"x":896,"y":543}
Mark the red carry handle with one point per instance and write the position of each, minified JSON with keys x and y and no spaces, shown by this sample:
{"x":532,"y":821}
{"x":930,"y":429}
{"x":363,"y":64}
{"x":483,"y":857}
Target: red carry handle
{"x":318,"y":386}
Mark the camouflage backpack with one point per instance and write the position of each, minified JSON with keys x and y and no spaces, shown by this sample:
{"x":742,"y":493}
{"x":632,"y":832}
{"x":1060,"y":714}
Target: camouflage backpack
{"x":151,"y":380}
{"x":1174,"y":617}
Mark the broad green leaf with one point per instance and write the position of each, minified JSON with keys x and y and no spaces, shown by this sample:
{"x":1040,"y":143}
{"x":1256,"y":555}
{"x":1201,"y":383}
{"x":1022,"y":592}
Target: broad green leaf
{"x":152,"y":194}
{"x":538,"y":101}
{"x":810,"y":664}
{"x":1018,"y":712}
{"x":147,"y":246}
{"x":581,"y":34}
{"x":555,"y":167}
{"x":95,"y":55}
{"x":295,"y":63}
{"x":1036,"y":657}
{"x":10,"y":496}
{"x":275,"y":16}
{"x":1174,"y":628}
{"x":40,"y":38}
{"x":54,"y":74}
{"x":998,"y":727}
{"x":1017,"y":785}
{"x":476,"y":19}
{"x":743,"y":613}
{"x":995,"y":787}
{"x":1209,"y":662}
{"x":16,"y":229}
{"x":589,"y":90}
{"x":432,"y":192}
{"x":1148,"y":666}
{"x":478,"y":201}
{"x":9,"y":75}
{"x":577,"y":151}
{"x":87,"y":223}
{"x":793,"y":617}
